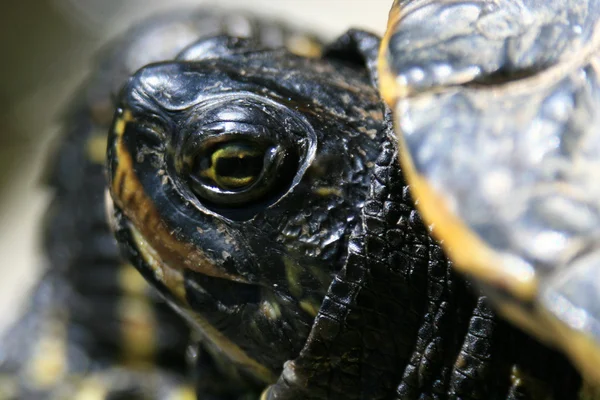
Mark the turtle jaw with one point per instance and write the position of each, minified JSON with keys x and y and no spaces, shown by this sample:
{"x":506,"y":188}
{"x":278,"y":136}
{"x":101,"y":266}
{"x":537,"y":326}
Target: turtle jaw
{"x":179,"y":292}
{"x":146,"y":249}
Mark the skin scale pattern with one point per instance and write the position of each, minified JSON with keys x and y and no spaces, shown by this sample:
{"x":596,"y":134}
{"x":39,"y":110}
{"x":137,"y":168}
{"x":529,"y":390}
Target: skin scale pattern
{"x":395,"y":321}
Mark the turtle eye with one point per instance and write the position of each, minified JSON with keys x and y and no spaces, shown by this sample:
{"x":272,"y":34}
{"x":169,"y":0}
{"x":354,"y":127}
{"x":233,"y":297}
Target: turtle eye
{"x":232,"y":166}
{"x":238,"y":171}
{"x":237,"y":154}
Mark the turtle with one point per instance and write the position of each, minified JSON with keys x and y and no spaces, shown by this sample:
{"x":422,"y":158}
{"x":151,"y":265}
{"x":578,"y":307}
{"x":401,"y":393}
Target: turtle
{"x":250,"y":174}
{"x":515,"y":201}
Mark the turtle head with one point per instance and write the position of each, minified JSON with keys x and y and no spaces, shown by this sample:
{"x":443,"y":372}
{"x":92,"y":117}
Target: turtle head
{"x":237,"y":175}
{"x":497,"y":116}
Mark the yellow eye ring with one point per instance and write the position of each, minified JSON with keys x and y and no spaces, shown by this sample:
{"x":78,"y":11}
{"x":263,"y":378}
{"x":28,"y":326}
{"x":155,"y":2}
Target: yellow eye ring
{"x":233,"y":166}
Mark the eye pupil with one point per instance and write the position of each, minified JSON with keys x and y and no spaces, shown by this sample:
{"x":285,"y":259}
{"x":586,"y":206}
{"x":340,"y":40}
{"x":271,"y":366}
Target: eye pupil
{"x":240,"y":170}
{"x":232,"y":166}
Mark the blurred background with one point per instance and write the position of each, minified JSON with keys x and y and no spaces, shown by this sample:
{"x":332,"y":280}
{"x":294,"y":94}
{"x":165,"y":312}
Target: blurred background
{"x":47,"y":49}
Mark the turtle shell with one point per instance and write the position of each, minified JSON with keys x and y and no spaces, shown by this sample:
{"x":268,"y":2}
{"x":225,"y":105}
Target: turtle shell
{"x":496,"y":111}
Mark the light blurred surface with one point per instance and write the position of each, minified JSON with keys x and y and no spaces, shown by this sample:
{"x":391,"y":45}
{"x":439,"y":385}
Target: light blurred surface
{"x":47,"y":49}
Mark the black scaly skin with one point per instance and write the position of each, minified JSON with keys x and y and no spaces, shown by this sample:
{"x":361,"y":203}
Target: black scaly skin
{"x":79,"y":300}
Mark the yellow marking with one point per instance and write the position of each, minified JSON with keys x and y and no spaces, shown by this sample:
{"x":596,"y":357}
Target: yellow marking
{"x":131,"y":281}
{"x":91,"y":389}
{"x":470,"y":254}
{"x":460,"y":361}
{"x":534,"y":387}
{"x":228,"y":182}
{"x":372,"y":133}
{"x":174,"y":280}
{"x":515,"y":376}
{"x":138,"y":324}
{"x":137,"y":328}
{"x":234,"y":150}
{"x":230,"y":349}
{"x":309,"y":307}
{"x":388,"y":86}
{"x":230,"y":151}
{"x":49,"y":363}
{"x":328,"y":191}
{"x":167,"y":256}
{"x":96,"y":147}
{"x":171,"y":277}
{"x":154,"y":237}
{"x":376,"y":114}
{"x":582,"y":349}
{"x":292,"y":271}
{"x":183,"y":393}
{"x":122,"y":121}
{"x":265,"y":394}
{"x":304,"y":46}
{"x":270,"y":309}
